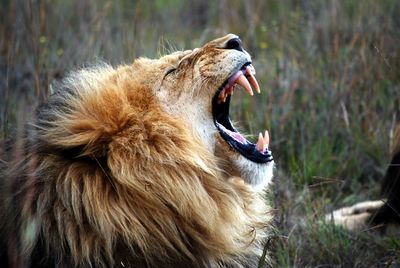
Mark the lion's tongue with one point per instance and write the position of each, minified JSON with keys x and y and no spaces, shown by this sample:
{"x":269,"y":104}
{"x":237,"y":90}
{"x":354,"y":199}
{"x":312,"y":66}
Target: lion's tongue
{"x":235,"y":135}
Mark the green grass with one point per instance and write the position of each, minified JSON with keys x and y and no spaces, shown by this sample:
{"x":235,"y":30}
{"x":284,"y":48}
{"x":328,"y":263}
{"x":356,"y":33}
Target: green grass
{"x":329,"y":71}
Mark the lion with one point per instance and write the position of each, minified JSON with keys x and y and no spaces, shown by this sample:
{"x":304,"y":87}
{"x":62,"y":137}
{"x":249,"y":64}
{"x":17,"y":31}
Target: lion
{"x":140,"y":166}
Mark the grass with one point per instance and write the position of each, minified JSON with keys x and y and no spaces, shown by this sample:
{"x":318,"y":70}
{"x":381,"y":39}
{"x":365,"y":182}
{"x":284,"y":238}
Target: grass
{"x":330,"y":77}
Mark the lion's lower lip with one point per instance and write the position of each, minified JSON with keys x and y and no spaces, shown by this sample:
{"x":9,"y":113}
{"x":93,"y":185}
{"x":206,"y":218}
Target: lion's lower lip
{"x":258,"y":152}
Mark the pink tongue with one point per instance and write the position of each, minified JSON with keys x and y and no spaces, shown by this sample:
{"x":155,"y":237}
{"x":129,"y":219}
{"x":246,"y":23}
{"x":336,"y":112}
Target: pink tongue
{"x":237,"y":136}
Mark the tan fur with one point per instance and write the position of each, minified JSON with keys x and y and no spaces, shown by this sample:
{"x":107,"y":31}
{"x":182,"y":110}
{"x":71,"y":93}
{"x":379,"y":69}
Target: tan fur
{"x":121,"y":169}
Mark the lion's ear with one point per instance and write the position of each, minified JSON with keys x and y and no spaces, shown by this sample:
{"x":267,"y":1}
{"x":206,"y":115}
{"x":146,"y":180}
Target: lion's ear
{"x":176,"y":56}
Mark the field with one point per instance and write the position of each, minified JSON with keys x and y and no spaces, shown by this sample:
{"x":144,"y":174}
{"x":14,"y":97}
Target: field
{"x":329,"y":72}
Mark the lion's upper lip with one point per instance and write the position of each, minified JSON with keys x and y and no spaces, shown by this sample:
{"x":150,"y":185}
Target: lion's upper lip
{"x":244,"y":77}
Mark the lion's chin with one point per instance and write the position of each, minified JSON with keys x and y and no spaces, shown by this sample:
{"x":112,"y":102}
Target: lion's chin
{"x":259,"y":176}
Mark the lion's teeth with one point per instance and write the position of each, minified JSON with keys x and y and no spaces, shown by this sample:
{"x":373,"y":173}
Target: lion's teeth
{"x":261,"y":146}
{"x":242,"y":80}
{"x":222,"y":96}
{"x":263,"y":142}
{"x":252,"y":79}
{"x":229,"y":91}
{"x":266,"y":138}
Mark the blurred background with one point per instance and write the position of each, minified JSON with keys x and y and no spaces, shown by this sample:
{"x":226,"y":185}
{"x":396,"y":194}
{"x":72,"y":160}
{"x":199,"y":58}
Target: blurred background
{"x":329,"y":72}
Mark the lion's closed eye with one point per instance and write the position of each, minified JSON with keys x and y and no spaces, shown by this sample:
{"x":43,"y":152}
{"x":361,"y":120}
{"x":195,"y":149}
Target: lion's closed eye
{"x":169,"y":71}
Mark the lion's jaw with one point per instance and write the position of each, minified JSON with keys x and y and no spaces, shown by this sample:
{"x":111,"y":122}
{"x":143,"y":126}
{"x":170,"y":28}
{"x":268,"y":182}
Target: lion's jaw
{"x":189,"y":88}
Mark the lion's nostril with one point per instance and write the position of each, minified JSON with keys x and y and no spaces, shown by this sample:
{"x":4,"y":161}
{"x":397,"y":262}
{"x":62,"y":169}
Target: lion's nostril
{"x":234,"y":43}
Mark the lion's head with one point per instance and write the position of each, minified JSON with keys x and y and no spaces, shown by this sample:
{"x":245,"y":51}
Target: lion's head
{"x":140,"y":165}
{"x":197,"y":85}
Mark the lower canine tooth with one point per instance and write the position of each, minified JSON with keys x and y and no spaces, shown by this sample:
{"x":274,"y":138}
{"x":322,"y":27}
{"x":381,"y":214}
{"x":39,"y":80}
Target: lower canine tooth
{"x":261,"y":145}
{"x":266,"y":138}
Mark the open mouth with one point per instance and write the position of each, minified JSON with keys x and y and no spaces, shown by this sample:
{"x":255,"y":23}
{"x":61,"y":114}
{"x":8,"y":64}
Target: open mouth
{"x":257,"y":152}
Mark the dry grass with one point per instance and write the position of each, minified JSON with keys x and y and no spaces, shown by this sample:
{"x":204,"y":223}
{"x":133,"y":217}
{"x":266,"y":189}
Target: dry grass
{"x":330,"y":72}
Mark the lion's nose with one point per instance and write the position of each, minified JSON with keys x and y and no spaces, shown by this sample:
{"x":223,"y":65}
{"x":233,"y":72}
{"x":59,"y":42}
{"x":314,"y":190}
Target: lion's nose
{"x":234,"y":43}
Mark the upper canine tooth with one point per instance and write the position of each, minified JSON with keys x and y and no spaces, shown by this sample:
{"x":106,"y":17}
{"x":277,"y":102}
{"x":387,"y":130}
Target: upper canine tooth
{"x":242,"y":80}
{"x":252,"y":80}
